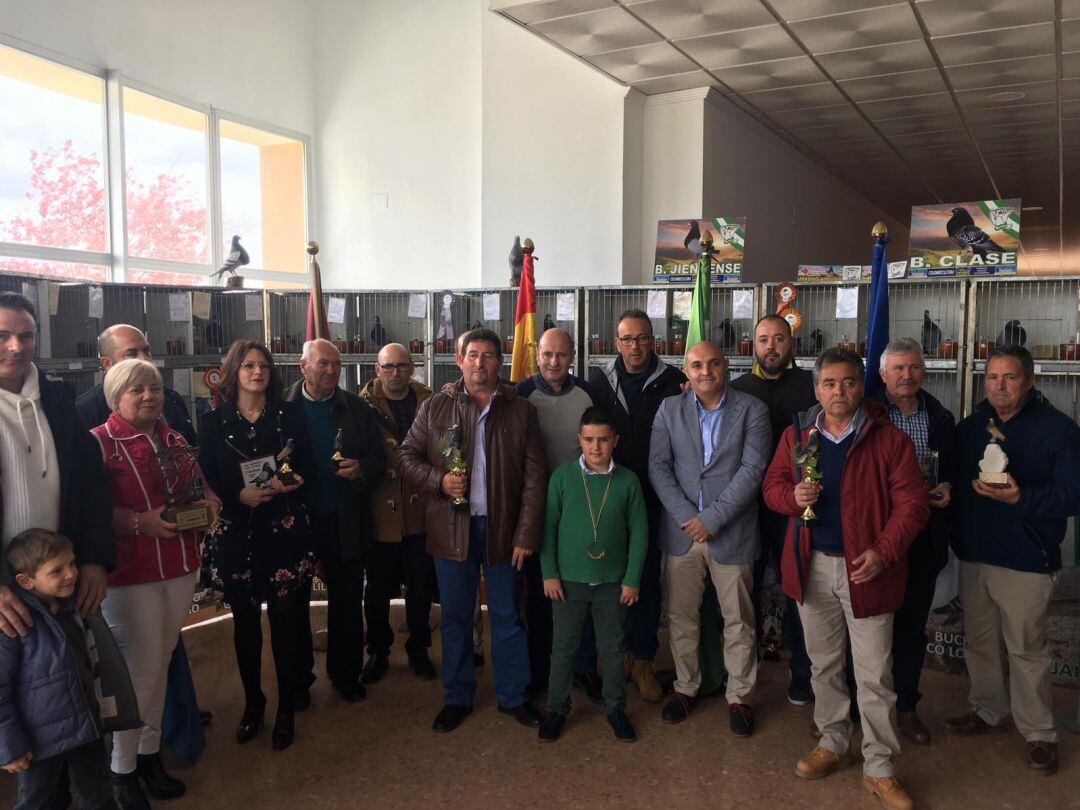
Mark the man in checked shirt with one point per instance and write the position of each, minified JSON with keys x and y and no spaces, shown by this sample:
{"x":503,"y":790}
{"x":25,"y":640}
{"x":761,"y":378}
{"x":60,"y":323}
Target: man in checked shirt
{"x":931,"y":427}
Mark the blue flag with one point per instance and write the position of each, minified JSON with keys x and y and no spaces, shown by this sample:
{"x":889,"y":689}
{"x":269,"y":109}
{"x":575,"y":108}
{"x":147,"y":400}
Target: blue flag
{"x":877,"y":336}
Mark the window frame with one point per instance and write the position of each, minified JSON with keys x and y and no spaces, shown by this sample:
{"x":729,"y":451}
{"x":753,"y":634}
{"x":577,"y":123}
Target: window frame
{"x":116,"y":258}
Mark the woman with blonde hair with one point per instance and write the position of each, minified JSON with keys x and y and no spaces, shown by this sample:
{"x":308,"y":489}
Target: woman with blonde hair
{"x":150,"y":589}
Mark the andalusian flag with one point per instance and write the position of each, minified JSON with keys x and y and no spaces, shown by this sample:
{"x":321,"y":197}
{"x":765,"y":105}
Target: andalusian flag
{"x":698,"y":329}
{"x":523,"y":362}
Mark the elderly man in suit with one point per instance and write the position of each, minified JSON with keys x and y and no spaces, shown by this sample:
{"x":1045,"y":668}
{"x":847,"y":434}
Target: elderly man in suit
{"x":709,"y":449}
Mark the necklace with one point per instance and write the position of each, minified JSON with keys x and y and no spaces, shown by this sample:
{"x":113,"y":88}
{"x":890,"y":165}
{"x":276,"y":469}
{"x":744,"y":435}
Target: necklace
{"x":251,"y":416}
{"x":594,"y":551}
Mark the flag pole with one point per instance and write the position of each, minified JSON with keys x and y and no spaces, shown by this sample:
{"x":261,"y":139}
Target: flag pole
{"x":877,"y":335}
{"x":316,"y":292}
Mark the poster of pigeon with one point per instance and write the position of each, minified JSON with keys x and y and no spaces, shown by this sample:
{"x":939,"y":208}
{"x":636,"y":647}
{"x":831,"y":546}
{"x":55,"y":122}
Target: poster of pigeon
{"x":980,"y":238}
{"x":678,"y":248}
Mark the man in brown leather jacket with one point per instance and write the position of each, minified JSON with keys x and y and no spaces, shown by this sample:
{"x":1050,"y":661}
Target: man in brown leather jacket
{"x":398,"y":555}
{"x":496,"y":523}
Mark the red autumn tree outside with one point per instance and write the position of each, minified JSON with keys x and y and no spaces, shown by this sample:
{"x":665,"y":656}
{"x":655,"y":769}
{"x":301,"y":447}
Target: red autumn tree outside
{"x":66,"y":208}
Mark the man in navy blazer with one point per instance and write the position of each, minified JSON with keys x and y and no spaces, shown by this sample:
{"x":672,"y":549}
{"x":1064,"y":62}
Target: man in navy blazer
{"x":708,"y":454}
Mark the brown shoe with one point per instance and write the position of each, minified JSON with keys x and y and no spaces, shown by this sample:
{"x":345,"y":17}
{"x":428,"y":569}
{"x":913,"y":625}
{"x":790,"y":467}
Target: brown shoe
{"x":912,"y":728}
{"x":970,"y":724}
{"x":819,"y":763}
{"x":644,"y":678}
{"x":888,"y":791}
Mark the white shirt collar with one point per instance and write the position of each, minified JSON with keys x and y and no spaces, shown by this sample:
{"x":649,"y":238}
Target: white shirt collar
{"x":587,"y":471}
{"x":847,"y":431}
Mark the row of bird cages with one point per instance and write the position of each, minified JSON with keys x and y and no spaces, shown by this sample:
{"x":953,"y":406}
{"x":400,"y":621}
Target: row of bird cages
{"x":1038,"y":314}
{"x":181,"y":322}
{"x":360,"y":323}
{"x":733,"y":310}
{"x":838,"y":314}
{"x":454,"y":312}
{"x":1061,"y":389}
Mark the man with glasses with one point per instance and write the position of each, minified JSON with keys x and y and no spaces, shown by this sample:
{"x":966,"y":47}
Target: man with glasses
{"x":398,"y":555}
{"x":339,"y":506}
{"x":632,"y":387}
{"x":488,"y":515}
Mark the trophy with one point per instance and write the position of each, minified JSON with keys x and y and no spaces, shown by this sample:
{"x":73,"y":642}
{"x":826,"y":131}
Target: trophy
{"x":806,"y":456}
{"x":338,"y":456}
{"x":177,"y":470}
{"x":928,"y":464}
{"x":453,"y":452}
{"x":994,"y":461}
{"x":284,"y":472}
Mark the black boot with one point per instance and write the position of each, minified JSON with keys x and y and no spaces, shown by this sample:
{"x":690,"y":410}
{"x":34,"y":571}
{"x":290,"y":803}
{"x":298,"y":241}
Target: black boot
{"x":155,"y":780}
{"x":127,"y":793}
{"x":251,"y":721}
{"x":284,"y":731}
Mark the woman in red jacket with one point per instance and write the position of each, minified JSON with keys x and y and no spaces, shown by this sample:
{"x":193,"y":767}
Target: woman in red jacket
{"x":156,"y":566}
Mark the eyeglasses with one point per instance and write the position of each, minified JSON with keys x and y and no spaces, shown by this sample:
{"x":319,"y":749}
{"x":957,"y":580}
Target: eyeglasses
{"x":641,"y":340}
{"x":400,"y":368}
{"x":250,"y":366}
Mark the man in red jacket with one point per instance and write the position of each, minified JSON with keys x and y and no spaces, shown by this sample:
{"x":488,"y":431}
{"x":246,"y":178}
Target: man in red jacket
{"x":849,"y":571}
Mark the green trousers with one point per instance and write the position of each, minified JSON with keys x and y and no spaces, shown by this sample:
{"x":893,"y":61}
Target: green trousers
{"x":568,"y":617}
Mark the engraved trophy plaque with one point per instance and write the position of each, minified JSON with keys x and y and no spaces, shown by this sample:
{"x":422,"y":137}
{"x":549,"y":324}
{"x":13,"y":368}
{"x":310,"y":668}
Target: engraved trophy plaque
{"x":177,"y":469}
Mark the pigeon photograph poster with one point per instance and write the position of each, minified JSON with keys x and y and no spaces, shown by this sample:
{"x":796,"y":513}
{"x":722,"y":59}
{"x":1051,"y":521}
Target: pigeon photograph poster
{"x":978,"y":238}
{"x":678,"y":249}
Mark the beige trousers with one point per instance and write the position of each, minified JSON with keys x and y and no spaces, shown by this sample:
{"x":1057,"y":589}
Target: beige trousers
{"x":1002,"y":605}
{"x":684,"y":582}
{"x":827,"y":623}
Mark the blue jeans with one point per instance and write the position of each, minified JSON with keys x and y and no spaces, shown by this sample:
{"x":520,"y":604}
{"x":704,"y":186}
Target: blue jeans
{"x":88,"y":768}
{"x":509,"y":647}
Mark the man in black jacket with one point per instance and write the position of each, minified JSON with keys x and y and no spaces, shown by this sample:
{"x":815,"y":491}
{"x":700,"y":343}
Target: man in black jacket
{"x":42,"y":447}
{"x":785,"y":389}
{"x":932,"y":428}
{"x":339,"y":504}
{"x":632,"y":388}
{"x":123,"y":342}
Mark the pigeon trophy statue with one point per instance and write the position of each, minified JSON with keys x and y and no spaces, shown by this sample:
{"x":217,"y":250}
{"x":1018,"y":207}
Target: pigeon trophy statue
{"x":517,"y":261}
{"x":237,"y":257}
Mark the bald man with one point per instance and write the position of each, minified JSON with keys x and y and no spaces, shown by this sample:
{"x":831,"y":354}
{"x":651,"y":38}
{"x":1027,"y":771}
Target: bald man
{"x":124,"y":342}
{"x":398,"y":555}
{"x":709,"y":449}
{"x":560,"y":399}
{"x":339,"y":507}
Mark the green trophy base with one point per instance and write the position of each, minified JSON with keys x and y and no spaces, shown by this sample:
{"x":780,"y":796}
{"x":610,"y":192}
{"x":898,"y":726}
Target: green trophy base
{"x":188,"y":518}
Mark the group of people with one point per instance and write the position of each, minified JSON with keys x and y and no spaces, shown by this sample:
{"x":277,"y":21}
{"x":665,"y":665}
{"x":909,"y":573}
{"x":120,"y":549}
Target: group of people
{"x":591,"y":509}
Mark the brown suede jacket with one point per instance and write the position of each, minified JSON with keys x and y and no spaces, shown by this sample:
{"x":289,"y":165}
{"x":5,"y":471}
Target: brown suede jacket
{"x":516,"y":472}
{"x":399,"y":506}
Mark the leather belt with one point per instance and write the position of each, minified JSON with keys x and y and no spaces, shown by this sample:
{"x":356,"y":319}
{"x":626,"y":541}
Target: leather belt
{"x":832,"y":553}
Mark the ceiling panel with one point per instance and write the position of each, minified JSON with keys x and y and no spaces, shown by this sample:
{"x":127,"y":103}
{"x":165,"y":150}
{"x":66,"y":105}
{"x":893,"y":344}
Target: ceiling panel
{"x":817,"y":116}
{"x":669,"y":84}
{"x":934,"y":104}
{"x":644,"y":62}
{"x":944,"y":17}
{"x":859,"y":63}
{"x":801,"y":9}
{"x":1070,"y":36}
{"x":986,"y":46}
{"x":920,"y":124}
{"x":595,"y":32}
{"x":858,"y":29}
{"x":678,"y":19}
{"x":1004,"y":71}
{"x":533,"y":12}
{"x":1031,"y":113}
{"x":741,"y":47}
{"x":774,"y":73}
{"x":896,"y":85}
{"x":796,"y":98}
{"x":1032,"y":94}
{"x":835,"y":132}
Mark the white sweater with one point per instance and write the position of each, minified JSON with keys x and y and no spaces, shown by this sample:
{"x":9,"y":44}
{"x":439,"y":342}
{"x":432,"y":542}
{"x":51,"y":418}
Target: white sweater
{"x":29,"y":470}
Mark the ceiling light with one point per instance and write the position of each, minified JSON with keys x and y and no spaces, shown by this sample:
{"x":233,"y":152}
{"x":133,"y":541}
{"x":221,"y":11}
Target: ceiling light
{"x":1040,"y":250}
{"x":1032,"y":208}
{"x":1007,"y":95}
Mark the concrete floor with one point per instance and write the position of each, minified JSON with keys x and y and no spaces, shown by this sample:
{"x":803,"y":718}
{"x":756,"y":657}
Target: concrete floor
{"x":382,"y":753}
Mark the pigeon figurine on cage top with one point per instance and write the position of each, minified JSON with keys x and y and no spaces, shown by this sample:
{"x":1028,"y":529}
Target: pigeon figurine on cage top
{"x":517,"y":262}
{"x":1012,"y":335}
{"x":931,"y":334}
{"x":237,"y":258}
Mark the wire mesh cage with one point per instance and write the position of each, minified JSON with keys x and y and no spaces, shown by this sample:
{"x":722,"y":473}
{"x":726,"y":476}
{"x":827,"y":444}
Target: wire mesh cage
{"x":384,"y":318}
{"x":1039,"y":314}
{"x":233,"y":316}
{"x":827,"y":319}
{"x":1061,"y":389}
{"x":603,"y":306}
{"x":169,"y":327}
{"x":732,"y":312}
{"x":78,"y":313}
{"x":931,"y":312}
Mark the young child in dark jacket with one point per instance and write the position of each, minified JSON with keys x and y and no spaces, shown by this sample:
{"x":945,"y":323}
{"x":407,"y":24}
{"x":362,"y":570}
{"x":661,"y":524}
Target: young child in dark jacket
{"x":62,"y":685}
{"x":595,"y":536}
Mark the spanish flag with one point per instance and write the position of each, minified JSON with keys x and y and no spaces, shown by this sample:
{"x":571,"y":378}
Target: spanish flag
{"x":523,"y":362}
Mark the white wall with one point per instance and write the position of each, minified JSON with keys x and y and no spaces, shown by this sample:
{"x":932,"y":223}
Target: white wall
{"x":398,"y":113}
{"x":249,"y":60}
{"x":797,"y":212}
{"x":552,"y":160}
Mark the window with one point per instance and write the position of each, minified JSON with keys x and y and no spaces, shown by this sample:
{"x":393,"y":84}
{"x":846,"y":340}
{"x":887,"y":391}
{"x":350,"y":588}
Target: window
{"x":165,"y":176}
{"x":52,"y":167}
{"x":262,"y":195}
{"x":65,"y":270}
{"x":140,"y":276}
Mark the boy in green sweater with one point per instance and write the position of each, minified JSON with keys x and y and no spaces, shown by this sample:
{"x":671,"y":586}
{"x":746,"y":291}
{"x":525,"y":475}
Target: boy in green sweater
{"x":595,"y":535}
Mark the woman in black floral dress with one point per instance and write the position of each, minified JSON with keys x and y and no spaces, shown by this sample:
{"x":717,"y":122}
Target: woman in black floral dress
{"x":260,"y":550}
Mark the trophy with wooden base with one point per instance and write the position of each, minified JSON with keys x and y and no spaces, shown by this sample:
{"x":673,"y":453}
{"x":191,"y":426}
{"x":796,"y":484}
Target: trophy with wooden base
{"x":994,"y":461}
{"x":178,"y":471}
{"x":805,"y":456}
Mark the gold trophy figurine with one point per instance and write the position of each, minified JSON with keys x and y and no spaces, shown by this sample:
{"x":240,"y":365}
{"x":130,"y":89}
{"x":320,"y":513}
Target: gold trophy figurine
{"x":453,"y":452}
{"x":339,"y":446}
{"x":806,"y":457}
{"x":284,"y":472}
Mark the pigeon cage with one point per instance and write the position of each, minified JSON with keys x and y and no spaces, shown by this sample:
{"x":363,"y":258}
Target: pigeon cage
{"x":733,"y":311}
{"x":390,"y":316}
{"x":931,"y":312}
{"x":832,"y":314}
{"x":1039,"y":314}
{"x":75,"y":315}
{"x":455,"y":312}
{"x":604,"y":305}
{"x":197,"y":326}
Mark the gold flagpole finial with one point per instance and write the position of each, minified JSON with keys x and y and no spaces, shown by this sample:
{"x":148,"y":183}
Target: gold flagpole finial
{"x":313,"y":248}
{"x":879,"y":231}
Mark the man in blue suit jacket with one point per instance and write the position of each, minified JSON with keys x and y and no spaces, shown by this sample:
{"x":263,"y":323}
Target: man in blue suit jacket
{"x":709,"y":450}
